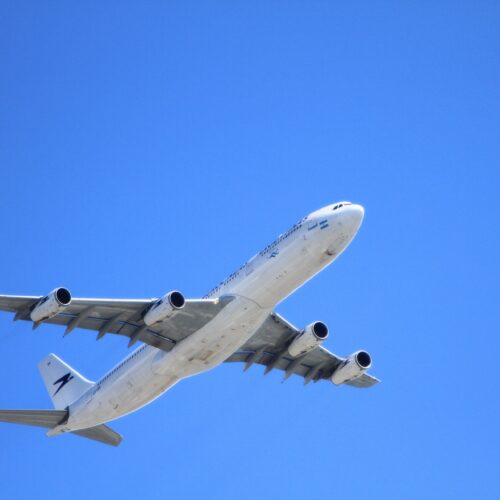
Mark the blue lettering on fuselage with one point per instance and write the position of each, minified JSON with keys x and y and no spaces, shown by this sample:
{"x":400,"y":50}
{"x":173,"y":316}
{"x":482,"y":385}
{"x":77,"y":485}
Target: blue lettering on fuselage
{"x":266,"y":250}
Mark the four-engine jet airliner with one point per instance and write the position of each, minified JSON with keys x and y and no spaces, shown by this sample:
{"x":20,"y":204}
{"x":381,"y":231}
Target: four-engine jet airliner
{"x":183,"y":337}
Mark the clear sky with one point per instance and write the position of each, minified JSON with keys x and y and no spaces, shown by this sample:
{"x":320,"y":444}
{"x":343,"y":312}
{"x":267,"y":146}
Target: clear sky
{"x":146,"y":146}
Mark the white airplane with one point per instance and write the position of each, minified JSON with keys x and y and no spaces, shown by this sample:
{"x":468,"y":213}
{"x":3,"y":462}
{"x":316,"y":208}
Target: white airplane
{"x":183,"y":337}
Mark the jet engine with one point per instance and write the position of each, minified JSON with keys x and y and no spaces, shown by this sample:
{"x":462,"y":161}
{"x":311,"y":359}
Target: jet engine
{"x":353,"y":367}
{"x":164,"y":308}
{"x":50,"y":305}
{"x":312,"y":336}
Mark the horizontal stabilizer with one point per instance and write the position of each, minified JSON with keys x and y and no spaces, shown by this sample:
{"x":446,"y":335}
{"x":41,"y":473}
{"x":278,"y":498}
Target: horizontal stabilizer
{"x":101,"y":433}
{"x":51,"y":418}
{"x":38,"y":418}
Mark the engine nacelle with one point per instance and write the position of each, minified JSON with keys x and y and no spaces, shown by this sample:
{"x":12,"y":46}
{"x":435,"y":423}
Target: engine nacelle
{"x":164,"y":308}
{"x":354,"y":366}
{"x":312,"y":336}
{"x":50,"y":305}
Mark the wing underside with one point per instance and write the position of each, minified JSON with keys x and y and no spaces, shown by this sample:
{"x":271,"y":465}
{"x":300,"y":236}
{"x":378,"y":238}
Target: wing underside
{"x":269,"y":347}
{"x":124,"y":317}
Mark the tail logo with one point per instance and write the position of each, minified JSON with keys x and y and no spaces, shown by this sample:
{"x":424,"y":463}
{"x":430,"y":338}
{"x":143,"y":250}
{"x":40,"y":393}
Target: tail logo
{"x":63,"y":381}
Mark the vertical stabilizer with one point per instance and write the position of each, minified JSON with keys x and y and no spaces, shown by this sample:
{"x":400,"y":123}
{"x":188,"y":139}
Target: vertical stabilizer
{"x":63,"y":384}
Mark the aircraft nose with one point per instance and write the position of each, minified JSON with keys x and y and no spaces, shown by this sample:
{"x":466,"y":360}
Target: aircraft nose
{"x":353,"y":217}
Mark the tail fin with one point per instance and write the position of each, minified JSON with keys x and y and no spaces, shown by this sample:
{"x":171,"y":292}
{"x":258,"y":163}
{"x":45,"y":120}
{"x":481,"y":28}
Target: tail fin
{"x":63,"y":384}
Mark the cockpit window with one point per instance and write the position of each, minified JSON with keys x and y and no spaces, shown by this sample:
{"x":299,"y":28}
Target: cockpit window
{"x":340,"y":205}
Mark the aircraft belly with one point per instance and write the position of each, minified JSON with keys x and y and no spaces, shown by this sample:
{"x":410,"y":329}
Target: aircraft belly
{"x":159,"y":371}
{"x":120,"y":399}
{"x":215,"y":342}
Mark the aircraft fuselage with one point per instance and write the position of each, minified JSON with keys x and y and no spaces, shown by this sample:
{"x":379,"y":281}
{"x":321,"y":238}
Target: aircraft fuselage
{"x":257,"y":287}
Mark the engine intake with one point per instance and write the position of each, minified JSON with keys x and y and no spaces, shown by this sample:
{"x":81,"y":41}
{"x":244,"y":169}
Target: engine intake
{"x":353,"y":367}
{"x":312,"y":336}
{"x":51,"y":305}
{"x":164,"y":308}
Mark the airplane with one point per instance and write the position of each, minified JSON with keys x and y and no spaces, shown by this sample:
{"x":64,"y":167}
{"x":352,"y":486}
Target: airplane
{"x":182,"y":337}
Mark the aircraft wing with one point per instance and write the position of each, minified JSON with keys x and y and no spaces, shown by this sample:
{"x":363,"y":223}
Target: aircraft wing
{"x":269,"y":347}
{"x":124,"y":317}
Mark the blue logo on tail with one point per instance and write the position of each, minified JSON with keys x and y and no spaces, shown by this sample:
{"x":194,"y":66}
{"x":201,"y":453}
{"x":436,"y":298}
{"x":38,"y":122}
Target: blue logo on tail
{"x":63,"y":381}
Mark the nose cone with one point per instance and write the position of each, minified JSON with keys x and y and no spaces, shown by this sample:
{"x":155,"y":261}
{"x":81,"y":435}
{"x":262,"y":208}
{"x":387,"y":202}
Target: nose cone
{"x":345,"y":222}
{"x":352,"y":217}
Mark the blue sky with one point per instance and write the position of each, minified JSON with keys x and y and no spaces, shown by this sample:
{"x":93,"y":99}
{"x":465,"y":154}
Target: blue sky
{"x":152,"y":146}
